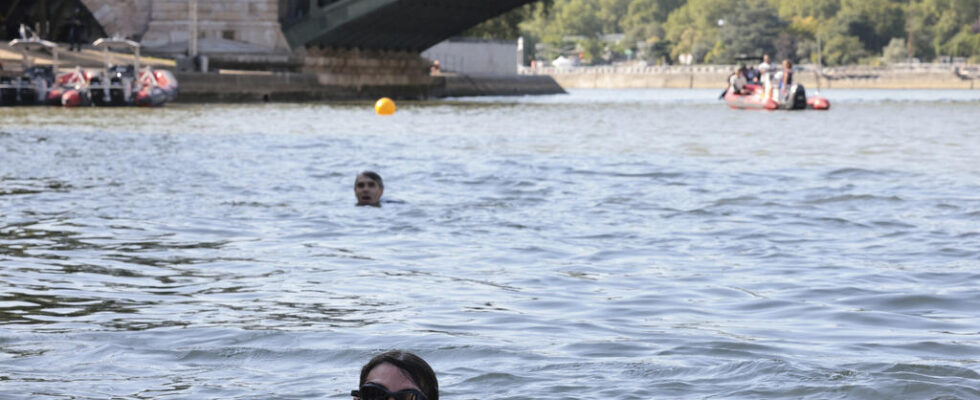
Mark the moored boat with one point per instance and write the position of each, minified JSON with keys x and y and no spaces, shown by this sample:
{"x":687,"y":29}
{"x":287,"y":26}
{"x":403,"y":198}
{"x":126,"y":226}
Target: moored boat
{"x":115,"y":85}
{"x":31,"y":85}
{"x":130,"y":85}
{"x":70,"y":89}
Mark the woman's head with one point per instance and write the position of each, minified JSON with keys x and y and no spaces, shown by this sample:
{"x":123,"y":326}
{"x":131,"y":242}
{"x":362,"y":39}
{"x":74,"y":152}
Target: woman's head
{"x":399,"y":370}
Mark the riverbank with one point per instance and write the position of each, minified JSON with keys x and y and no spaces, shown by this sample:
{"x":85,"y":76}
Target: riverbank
{"x":924,"y":76}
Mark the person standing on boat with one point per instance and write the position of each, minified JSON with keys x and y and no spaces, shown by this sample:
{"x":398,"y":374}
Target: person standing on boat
{"x":764,"y":76}
{"x":75,"y":31}
{"x":764,"y":67}
{"x":785,"y":77}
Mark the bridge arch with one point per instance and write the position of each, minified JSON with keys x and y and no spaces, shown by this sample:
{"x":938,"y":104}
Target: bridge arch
{"x":401,"y":25}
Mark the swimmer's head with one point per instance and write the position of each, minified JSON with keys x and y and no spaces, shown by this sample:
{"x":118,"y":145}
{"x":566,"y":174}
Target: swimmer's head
{"x":398,"y":371}
{"x":368,"y":188}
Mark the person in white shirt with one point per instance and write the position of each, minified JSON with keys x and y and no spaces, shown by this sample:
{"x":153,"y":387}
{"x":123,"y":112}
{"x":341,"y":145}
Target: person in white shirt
{"x":764,"y":76}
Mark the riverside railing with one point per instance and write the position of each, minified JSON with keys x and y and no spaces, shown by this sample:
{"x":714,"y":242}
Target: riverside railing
{"x":959,"y":69}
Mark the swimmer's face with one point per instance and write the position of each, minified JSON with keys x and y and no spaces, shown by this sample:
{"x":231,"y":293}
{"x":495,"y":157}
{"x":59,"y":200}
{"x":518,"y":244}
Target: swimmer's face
{"x":368,"y":191}
{"x":392,"y":379}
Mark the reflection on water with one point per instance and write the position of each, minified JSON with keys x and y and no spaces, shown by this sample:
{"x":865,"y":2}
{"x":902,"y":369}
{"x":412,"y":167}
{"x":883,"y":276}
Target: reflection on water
{"x":616,"y":244}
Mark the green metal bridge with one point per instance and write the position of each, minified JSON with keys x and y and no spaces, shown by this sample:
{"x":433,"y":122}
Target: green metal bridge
{"x":406,"y":25}
{"x":48,"y":18}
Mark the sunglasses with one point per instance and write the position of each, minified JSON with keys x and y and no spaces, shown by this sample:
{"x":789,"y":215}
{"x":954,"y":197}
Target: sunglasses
{"x":374,"y":391}
{"x":363,"y":184}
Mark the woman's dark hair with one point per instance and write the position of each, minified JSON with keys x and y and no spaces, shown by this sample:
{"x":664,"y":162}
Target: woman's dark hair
{"x":374,"y":177}
{"x":417,"y":369}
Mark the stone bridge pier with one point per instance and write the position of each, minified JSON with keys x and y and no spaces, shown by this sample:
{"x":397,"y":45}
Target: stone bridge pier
{"x":127,"y":18}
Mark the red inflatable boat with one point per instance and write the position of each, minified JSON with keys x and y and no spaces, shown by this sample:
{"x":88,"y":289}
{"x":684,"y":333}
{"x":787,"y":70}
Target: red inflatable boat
{"x":752,"y":96}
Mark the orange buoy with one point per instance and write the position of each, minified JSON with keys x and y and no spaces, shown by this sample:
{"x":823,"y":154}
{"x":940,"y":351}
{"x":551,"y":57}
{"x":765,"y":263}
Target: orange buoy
{"x":384,"y":106}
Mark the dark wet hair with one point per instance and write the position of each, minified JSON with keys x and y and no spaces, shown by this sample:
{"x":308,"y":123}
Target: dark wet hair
{"x":414,"y":366}
{"x":374,"y":177}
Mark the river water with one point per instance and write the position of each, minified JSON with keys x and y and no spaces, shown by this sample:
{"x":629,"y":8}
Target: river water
{"x":602,"y":244}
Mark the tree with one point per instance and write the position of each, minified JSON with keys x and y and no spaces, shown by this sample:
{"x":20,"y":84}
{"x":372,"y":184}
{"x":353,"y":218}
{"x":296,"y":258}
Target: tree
{"x":966,"y":43}
{"x":895,"y":52}
{"x":874,"y":22}
{"x":752,"y":29}
{"x":591,"y":50}
{"x":508,"y":24}
{"x":643,"y":26}
{"x":848,"y":30}
{"x":693,"y":27}
{"x":611,"y":12}
{"x":842,"y":50}
{"x":642,"y":13}
{"x":819,"y":9}
{"x":578,"y":17}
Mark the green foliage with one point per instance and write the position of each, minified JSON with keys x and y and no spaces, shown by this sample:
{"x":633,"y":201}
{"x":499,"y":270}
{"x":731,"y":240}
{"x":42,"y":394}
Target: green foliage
{"x":966,"y":43}
{"x":751,"y":29}
{"x":642,"y":13}
{"x":693,"y":28}
{"x":896,"y":51}
{"x":842,"y":50}
{"x":844,"y":31}
{"x":591,"y":50}
{"x":507,"y":25}
{"x":818,"y":9}
{"x":934,"y":23}
{"x":874,"y":22}
{"x":644,"y":19}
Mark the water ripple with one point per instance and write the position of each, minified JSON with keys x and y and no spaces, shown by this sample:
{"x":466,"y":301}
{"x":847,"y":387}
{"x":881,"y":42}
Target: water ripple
{"x":560,"y":247}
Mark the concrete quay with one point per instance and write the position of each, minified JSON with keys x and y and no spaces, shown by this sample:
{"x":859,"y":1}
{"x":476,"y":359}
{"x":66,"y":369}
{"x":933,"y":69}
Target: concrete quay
{"x":247,"y":86}
{"x":923,"y":76}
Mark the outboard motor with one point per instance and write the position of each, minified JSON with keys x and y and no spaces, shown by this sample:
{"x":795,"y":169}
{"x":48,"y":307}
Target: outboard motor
{"x":795,"y":98}
{"x":41,"y":77}
{"x":8,"y":91}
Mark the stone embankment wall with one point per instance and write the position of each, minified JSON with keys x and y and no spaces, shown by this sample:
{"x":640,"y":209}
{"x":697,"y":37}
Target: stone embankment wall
{"x":358,"y":68}
{"x":289,"y":86}
{"x":284,"y":86}
{"x":709,"y":76}
{"x":453,"y":85}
